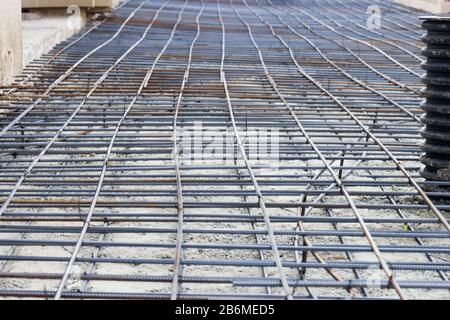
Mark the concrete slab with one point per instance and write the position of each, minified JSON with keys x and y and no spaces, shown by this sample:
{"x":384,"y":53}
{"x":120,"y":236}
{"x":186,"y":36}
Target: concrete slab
{"x":433,"y":6}
{"x":10,"y":40}
{"x":43,"y":30}
{"x":28,"y":4}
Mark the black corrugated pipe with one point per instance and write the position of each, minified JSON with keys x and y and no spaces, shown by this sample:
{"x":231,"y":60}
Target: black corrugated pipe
{"x":437,"y":102}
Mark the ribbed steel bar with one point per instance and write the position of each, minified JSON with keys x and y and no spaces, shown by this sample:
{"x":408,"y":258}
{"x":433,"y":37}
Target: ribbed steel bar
{"x":261,"y":201}
{"x":339,"y":5}
{"x":378,"y":142}
{"x":363,"y":42}
{"x":75,"y":113}
{"x":357,"y":81}
{"x":143,"y":85}
{"x":335,"y":177}
{"x":54,"y":56}
{"x":68,"y":72}
{"x":140,"y":174}
{"x":177,"y":273}
{"x":390,"y":198}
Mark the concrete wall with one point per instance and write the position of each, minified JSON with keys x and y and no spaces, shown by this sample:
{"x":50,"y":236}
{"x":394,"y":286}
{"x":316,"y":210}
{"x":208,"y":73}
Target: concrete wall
{"x":46,"y":22}
{"x":433,"y":6}
{"x":67,"y":3}
{"x":43,"y":29}
{"x":10,"y":40}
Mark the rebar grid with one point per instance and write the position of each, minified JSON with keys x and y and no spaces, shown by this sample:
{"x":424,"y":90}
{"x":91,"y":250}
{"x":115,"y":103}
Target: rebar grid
{"x":98,"y":200}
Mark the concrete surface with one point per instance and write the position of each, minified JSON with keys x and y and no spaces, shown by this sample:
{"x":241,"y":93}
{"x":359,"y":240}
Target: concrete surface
{"x":67,"y":3}
{"x":433,"y":6}
{"x":44,"y":29}
{"x":10,"y":40}
{"x":43,"y":24}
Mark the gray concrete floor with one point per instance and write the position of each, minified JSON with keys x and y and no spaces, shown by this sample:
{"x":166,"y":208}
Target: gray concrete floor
{"x":42,"y":31}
